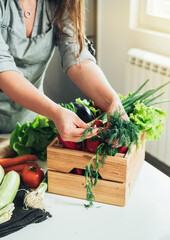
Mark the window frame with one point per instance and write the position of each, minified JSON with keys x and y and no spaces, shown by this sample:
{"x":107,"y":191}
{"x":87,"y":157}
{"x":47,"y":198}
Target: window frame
{"x":144,"y":20}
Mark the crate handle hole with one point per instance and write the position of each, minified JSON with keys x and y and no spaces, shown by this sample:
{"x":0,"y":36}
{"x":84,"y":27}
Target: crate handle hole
{"x":79,"y":171}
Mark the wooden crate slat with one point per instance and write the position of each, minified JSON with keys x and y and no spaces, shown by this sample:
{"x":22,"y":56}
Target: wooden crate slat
{"x":118,"y":174}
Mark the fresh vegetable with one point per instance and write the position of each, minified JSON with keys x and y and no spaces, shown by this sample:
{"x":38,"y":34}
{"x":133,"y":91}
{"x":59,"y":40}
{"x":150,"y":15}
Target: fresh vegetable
{"x":33,"y":137}
{"x":92,"y":144}
{"x":81,"y":108}
{"x":98,"y":123}
{"x":122,"y":149}
{"x":124,"y":132}
{"x":6,"y":213}
{"x":79,"y":171}
{"x":69,"y":144}
{"x":7,"y":162}
{"x":19,"y":167}
{"x":32,"y":176}
{"x":130,"y":101}
{"x":2,"y":173}
{"x":83,"y":112}
{"x":9,"y":188}
{"x":34,"y":199}
{"x":91,"y":105}
{"x":149,"y":120}
{"x":97,"y":107}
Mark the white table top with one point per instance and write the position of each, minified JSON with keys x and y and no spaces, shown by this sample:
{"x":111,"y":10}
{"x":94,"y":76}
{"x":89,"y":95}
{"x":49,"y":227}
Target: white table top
{"x":146,"y":215}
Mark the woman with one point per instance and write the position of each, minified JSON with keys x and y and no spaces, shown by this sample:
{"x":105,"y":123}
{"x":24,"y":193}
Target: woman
{"x":29,"y":32}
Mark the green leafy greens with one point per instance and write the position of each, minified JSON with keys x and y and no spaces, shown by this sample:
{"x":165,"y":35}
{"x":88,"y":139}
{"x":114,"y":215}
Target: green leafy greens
{"x":149,"y":120}
{"x":33,"y":137}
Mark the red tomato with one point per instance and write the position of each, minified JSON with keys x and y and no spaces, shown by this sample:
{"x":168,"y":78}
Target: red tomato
{"x":32,"y":176}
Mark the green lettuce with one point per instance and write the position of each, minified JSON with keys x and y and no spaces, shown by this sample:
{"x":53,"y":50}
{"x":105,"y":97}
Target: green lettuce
{"x":33,"y":137}
{"x":149,"y":120}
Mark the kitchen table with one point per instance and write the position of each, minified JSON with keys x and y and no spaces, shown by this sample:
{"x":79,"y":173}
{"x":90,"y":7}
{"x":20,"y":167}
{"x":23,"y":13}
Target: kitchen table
{"x":146,"y":215}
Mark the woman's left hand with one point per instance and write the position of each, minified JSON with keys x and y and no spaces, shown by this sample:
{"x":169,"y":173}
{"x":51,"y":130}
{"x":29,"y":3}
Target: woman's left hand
{"x":117,"y":105}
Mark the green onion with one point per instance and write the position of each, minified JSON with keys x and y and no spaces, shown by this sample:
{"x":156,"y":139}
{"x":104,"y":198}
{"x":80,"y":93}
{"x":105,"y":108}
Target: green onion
{"x":34,"y":199}
{"x":130,"y":101}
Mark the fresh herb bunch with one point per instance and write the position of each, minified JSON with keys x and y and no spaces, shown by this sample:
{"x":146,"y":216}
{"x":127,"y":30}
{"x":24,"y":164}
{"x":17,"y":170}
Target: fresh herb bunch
{"x":124,"y":132}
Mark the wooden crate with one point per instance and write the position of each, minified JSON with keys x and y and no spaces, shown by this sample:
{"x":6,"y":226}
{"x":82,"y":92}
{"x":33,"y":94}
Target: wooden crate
{"x":118,"y":174}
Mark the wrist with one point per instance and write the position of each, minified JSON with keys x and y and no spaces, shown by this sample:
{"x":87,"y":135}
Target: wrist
{"x":54,"y":111}
{"x":113,"y":103}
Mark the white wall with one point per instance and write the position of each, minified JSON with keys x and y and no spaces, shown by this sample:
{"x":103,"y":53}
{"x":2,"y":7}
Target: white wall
{"x":115,"y":38}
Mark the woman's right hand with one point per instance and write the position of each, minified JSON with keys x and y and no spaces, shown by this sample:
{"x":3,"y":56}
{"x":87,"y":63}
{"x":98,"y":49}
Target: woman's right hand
{"x":70,"y":126}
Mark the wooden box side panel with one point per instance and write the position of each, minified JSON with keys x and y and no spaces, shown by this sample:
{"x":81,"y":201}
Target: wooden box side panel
{"x":135,"y":169}
{"x":74,"y":186}
{"x":64,"y":160}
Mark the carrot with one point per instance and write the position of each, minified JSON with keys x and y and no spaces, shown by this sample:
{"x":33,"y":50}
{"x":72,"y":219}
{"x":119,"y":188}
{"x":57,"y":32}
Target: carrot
{"x":7,"y":162}
{"x":20,"y":167}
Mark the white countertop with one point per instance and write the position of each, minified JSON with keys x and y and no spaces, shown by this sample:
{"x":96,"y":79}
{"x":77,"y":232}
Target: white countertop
{"x":146,"y":215}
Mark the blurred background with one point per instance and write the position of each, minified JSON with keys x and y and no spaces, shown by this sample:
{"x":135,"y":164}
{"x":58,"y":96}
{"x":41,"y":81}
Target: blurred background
{"x":132,"y":41}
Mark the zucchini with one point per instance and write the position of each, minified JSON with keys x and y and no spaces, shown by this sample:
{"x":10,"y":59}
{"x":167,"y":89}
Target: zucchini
{"x":2,"y":173}
{"x":9,"y":188}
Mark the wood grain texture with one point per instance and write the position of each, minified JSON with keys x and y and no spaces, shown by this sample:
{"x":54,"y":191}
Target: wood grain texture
{"x":74,"y":186}
{"x":64,"y":160}
{"x":118,"y":174}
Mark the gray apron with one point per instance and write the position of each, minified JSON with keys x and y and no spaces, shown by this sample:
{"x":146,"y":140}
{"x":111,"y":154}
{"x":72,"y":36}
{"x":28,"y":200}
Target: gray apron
{"x":31,"y":56}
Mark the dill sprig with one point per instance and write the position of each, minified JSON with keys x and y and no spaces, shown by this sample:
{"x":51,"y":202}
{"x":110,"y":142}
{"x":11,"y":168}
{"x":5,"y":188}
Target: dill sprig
{"x":121,"y":131}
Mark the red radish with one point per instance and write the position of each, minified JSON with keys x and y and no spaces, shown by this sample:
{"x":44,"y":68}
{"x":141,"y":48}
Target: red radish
{"x":122,"y":149}
{"x":97,"y":107}
{"x":97,"y":123}
{"x":92,"y":145}
{"x":69,"y":144}
{"x":79,"y":171}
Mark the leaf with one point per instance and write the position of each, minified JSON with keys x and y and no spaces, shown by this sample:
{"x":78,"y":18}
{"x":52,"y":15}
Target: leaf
{"x":33,"y":137}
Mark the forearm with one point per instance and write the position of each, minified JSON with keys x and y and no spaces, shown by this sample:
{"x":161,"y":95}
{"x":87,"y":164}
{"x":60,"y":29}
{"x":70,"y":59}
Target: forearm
{"x":21,"y":91}
{"x":93,"y":83}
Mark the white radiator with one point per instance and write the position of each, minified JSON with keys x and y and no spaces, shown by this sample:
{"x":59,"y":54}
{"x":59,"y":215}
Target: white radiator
{"x":142,"y":65}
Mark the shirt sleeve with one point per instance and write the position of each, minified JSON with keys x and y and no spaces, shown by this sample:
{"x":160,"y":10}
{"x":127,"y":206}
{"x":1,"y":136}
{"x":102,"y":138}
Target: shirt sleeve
{"x":7,"y":62}
{"x":68,"y":47}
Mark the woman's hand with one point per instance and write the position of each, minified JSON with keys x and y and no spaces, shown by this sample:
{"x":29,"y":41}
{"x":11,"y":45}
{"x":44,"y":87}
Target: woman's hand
{"x":70,"y":126}
{"x":117,"y":105}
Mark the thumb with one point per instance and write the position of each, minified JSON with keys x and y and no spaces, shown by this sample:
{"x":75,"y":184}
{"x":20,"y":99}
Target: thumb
{"x":79,"y":123}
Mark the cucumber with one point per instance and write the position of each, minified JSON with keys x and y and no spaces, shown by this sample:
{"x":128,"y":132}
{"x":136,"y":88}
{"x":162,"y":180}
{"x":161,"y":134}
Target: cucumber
{"x":9,"y":188}
{"x":2,"y":173}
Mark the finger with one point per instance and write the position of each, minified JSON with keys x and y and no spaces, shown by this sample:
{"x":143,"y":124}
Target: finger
{"x":94,"y":133}
{"x":89,"y":135}
{"x":125,"y":117}
{"x":79,"y":123}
